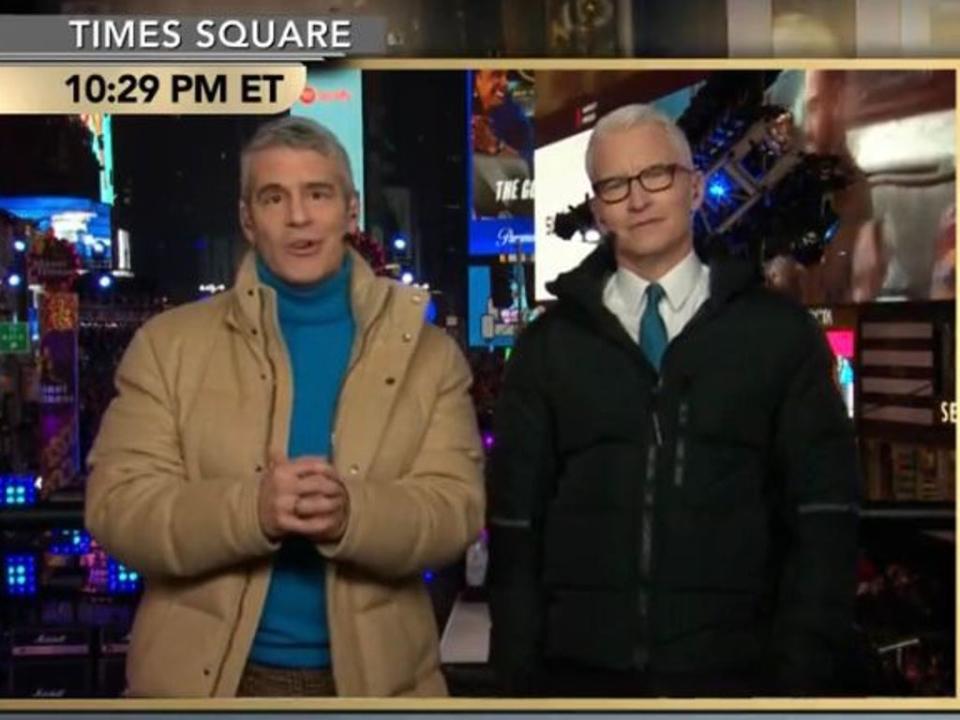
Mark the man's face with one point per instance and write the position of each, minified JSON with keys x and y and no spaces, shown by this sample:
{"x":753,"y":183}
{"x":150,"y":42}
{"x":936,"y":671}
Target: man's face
{"x":297,"y":212}
{"x":647,"y":226}
{"x":491,"y":88}
{"x":823,"y":126}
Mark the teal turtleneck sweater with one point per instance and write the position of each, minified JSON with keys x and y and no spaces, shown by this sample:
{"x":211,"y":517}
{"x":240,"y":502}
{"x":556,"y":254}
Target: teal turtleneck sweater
{"x":317,"y":327}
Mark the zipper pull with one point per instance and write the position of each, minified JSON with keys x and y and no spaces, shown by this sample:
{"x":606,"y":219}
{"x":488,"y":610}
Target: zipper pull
{"x":656,"y":429}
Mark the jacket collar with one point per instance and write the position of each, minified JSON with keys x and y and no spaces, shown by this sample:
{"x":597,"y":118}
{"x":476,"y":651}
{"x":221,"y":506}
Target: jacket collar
{"x":368,"y":294}
{"x":729,"y":277}
{"x":678,"y":284}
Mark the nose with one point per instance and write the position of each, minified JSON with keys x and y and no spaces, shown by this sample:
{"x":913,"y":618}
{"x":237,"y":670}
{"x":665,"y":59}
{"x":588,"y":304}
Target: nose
{"x":297,"y":211}
{"x":638,"y":198}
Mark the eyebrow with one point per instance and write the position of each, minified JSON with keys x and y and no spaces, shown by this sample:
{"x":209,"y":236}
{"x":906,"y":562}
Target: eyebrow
{"x":277,"y":187}
{"x":652,"y":166}
{"x":321,"y":185}
{"x":271,"y":188}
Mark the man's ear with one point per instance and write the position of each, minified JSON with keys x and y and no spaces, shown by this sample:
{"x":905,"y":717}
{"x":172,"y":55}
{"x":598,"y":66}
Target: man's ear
{"x":697,"y":189}
{"x":353,"y":213}
{"x":595,"y":205}
{"x":246,"y":220}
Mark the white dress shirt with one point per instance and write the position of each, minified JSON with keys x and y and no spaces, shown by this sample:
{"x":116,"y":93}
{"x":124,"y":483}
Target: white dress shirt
{"x":686,"y":287}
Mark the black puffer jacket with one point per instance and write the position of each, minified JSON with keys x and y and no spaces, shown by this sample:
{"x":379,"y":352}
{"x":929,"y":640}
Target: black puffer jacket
{"x":697,"y":529}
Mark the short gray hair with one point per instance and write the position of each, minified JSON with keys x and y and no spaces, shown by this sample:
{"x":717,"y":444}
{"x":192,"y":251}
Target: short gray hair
{"x":298,"y":133}
{"x":628,"y":117}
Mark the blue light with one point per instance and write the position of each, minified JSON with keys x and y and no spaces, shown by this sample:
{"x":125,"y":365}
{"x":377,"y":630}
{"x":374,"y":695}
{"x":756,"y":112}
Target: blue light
{"x":832,"y":231}
{"x":120,"y":579}
{"x":400,"y":243}
{"x":428,"y":576}
{"x":14,"y":280}
{"x":93,"y":220}
{"x":105,"y":281}
{"x":21,"y":575}
{"x":19,"y":245}
{"x":18,"y":490}
{"x":717,"y":189}
{"x":70,"y":542}
{"x":407,"y":278}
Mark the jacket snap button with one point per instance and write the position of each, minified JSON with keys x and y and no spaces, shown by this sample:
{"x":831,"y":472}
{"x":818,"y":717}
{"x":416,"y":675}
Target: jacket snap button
{"x":417,"y":299}
{"x":407,"y":337}
{"x":253,"y":331}
{"x":391,"y":381}
{"x":354,"y":469}
{"x":250,"y":293}
{"x":259,"y":468}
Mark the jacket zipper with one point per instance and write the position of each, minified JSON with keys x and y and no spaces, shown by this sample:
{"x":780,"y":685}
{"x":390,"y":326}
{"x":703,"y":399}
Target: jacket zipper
{"x":679,"y":462}
{"x":355,"y":355}
{"x":284,"y":357}
{"x":263,"y":355}
{"x":329,"y":575}
{"x":615,"y":332}
{"x":641,"y":655}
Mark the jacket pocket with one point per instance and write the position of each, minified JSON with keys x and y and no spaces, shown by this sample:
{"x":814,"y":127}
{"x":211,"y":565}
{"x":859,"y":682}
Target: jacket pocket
{"x":150,"y":623}
{"x":184,"y":658}
{"x":392,"y":639}
{"x":721,"y":452}
{"x":226,"y":435}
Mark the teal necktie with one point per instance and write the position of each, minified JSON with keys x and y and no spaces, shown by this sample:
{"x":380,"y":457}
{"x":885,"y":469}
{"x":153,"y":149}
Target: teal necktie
{"x":653,"y":333}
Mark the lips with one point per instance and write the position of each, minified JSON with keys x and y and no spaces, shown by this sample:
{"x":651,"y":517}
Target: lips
{"x":303,"y":247}
{"x":645,"y":223}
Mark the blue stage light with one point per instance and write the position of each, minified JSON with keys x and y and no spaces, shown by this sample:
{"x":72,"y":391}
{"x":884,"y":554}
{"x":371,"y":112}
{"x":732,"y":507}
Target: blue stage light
{"x":17,"y":490}
{"x":21,"y":575}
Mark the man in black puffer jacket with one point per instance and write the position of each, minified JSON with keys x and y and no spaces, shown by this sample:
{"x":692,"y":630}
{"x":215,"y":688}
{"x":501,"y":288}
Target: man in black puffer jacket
{"x":674,"y":489}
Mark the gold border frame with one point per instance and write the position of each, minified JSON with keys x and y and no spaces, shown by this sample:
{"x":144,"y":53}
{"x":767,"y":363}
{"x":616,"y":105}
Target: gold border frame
{"x":739,"y":63}
{"x":478,"y":705}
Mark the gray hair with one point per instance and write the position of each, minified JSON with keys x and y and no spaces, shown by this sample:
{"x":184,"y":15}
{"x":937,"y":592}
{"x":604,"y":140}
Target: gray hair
{"x":628,"y":117}
{"x":298,"y":133}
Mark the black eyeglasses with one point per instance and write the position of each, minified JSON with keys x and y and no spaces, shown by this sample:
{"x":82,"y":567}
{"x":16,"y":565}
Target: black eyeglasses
{"x":653,"y":179}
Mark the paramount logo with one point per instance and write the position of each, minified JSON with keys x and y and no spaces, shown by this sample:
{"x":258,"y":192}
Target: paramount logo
{"x":508,"y":238}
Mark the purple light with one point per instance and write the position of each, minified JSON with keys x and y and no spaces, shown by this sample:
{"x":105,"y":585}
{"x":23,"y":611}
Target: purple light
{"x":488,"y":440}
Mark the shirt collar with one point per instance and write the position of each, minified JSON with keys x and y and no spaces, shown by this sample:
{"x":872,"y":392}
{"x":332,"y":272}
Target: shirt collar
{"x":678,"y":284}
